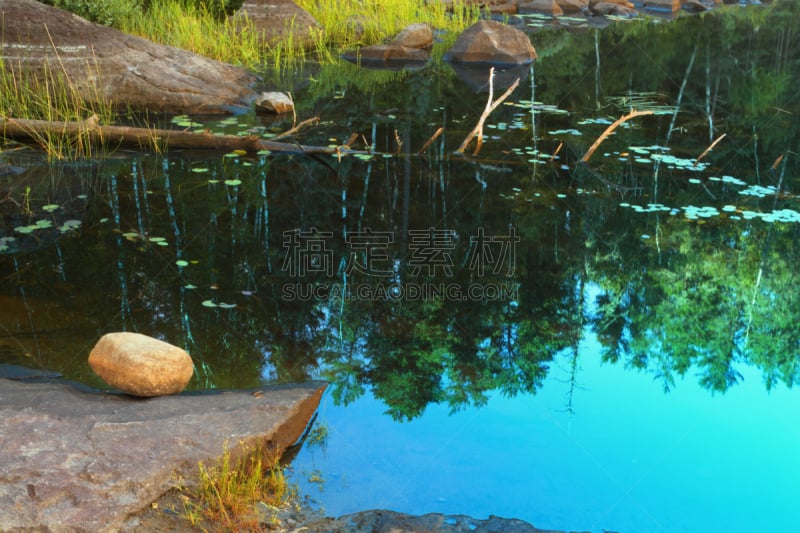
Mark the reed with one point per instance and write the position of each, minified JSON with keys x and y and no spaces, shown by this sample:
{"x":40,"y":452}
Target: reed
{"x":51,"y":95}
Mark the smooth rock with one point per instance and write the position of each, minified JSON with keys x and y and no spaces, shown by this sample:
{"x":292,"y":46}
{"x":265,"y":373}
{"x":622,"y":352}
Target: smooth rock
{"x":275,"y":103}
{"x":613,"y":8}
{"x":573,"y":6}
{"x":418,"y":35}
{"x":74,"y":461}
{"x":140,"y":365}
{"x":546,"y":7}
{"x":492,"y":42}
{"x":277,"y":20}
{"x":102,"y":63}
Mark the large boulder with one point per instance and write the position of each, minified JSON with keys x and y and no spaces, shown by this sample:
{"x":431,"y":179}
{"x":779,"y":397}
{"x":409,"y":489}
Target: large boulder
{"x":491,"y":42}
{"x":409,"y":49}
{"x":103,"y":64}
{"x":78,"y":461}
{"x":140,"y":365}
{"x":546,"y":7}
{"x":276,"y":21}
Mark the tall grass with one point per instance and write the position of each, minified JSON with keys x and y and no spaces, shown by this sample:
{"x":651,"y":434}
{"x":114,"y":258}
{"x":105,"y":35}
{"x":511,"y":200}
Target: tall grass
{"x":199,"y":28}
{"x":349,"y":23}
{"x":52,"y":96}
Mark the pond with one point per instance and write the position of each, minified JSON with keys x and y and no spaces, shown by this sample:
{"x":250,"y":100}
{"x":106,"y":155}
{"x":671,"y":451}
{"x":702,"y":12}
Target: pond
{"x":600,"y":345}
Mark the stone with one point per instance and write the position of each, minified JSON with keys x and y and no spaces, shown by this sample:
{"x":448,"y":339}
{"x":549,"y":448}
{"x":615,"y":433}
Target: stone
{"x":382,"y":521}
{"x":102,"y":63}
{"x":547,"y":7}
{"x":78,"y":460}
{"x":668,"y":5}
{"x":275,"y":103}
{"x":140,"y":365}
{"x":276,"y":20}
{"x":492,"y":42}
{"x":409,"y":49}
{"x":418,"y":35}
{"x":573,"y":6}
{"x":613,"y":8}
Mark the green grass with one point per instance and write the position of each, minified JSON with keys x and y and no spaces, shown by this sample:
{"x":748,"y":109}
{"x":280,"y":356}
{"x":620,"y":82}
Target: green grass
{"x":53,"y":96}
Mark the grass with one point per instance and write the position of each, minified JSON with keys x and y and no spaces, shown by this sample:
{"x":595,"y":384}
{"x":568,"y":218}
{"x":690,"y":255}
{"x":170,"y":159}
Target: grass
{"x":230,"y":492}
{"x":53,"y":96}
{"x":199,"y":28}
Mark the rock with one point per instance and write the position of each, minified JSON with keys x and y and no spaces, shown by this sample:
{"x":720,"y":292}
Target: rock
{"x":274,"y":102}
{"x":389,"y":521}
{"x":418,"y":35}
{"x":74,"y":461}
{"x":613,"y":8}
{"x":409,"y":49}
{"x":276,"y":20}
{"x":573,"y":6}
{"x":104,"y":64}
{"x":668,"y":5}
{"x":140,"y":365}
{"x":492,"y":42}
{"x":547,"y":7}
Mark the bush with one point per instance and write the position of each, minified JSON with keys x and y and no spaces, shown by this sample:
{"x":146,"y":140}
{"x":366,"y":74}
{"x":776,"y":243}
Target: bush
{"x":106,"y":12}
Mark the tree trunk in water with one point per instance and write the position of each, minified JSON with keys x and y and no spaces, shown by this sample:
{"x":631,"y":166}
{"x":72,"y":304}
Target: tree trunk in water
{"x":36,"y":130}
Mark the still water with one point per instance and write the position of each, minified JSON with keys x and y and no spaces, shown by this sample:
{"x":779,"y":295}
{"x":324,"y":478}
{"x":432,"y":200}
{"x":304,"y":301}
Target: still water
{"x":601,"y":345}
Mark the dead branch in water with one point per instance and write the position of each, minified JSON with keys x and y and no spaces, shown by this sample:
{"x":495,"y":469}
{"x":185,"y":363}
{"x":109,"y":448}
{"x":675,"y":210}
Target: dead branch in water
{"x":490,"y":106}
{"x":710,"y":147}
{"x":430,"y":141}
{"x":35,"y":130}
{"x":610,"y":130}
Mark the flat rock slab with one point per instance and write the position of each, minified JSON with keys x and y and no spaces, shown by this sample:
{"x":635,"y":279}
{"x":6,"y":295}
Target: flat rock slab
{"x":393,"y":522}
{"x":104,"y":64}
{"x":77,"y":460}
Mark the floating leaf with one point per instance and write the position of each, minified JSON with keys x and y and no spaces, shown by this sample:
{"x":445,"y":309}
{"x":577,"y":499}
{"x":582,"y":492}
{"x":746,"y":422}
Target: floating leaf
{"x":233,"y":183}
{"x":182,"y":263}
{"x":209,"y":303}
{"x":263,"y":152}
{"x":69,"y":225}
{"x":189,"y":286}
{"x":200,"y":169}
{"x":50,"y":207}
{"x":226,"y":306}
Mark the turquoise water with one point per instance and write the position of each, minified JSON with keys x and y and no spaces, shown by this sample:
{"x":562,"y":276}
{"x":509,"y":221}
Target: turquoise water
{"x":626,"y":457}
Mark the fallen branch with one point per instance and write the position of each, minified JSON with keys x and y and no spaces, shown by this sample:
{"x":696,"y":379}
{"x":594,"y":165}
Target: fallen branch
{"x":610,"y":130}
{"x":710,"y":147}
{"x":490,"y":106}
{"x":430,"y":141}
{"x":313,"y":121}
{"x":144,"y":137}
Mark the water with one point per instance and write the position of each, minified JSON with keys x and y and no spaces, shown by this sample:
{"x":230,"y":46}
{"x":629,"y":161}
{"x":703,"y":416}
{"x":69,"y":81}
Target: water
{"x":609,"y":345}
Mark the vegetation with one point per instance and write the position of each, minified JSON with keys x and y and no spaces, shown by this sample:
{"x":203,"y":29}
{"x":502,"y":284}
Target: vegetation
{"x":230,"y":493}
{"x":52,"y":96}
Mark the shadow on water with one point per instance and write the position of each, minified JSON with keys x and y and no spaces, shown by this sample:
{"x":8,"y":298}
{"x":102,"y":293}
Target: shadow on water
{"x":434,"y":280}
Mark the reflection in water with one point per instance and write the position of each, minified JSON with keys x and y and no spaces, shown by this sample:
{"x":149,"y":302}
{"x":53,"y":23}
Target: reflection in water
{"x":425,"y":285}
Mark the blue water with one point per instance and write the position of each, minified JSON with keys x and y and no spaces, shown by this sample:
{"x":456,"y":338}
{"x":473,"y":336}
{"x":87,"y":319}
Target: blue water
{"x":629,"y":458}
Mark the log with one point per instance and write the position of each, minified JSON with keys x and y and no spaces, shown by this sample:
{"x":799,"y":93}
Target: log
{"x":35,"y":130}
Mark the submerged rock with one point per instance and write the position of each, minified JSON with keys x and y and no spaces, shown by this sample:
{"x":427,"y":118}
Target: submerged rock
{"x":105,"y":65}
{"x":491,"y":42}
{"x":87,"y":461}
{"x":389,"y":521}
{"x":140,"y":365}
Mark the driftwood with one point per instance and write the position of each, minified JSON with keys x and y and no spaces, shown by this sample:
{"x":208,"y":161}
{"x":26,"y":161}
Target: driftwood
{"x":36,"y":130}
{"x":477,"y":131}
{"x":610,"y":130}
